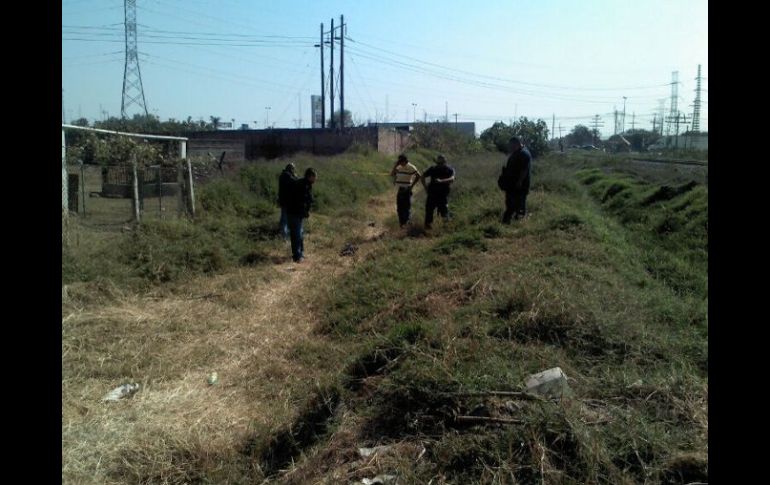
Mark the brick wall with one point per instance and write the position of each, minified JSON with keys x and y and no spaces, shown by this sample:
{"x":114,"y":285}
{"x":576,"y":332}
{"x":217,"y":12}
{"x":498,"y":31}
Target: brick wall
{"x":277,"y":142}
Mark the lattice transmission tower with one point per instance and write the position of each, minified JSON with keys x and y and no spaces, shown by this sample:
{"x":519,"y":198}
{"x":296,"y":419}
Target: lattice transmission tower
{"x":133,"y":92}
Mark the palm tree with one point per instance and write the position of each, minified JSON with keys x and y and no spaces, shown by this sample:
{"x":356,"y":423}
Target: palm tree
{"x":215,"y":121}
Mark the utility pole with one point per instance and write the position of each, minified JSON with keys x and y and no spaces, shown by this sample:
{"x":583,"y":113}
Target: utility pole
{"x":654,"y":119}
{"x":342,"y":72}
{"x":323,"y":84}
{"x":331,"y":74}
{"x":696,"y":109}
{"x":661,"y":114}
{"x":633,"y":116}
{"x":455,"y":115}
{"x":299,"y":105}
{"x":133,"y":92}
{"x":553,"y":126}
{"x":414,"y":112}
{"x":597,"y":122}
{"x":674,"y":98}
{"x":677,"y":120}
{"x":446,"y":111}
{"x":624,"y":114}
{"x":615,"y":110}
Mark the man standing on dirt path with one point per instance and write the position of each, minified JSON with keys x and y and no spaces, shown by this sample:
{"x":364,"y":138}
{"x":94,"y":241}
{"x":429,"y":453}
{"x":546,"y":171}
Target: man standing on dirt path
{"x":441,"y":177}
{"x":515,"y":180}
{"x":405,"y":177}
{"x":285,"y":182}
{"x":297,"y":210}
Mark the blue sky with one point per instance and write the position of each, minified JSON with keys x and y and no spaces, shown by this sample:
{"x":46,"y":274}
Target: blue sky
{"x":485,"y":61}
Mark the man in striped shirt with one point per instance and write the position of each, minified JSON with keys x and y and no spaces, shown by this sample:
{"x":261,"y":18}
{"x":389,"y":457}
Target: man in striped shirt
{"x":405,"y":176}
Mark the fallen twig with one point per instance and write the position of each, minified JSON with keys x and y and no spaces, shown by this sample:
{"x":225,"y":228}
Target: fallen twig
{"x":199,"y":297}
{"x":484,"y":419}
{"x":519,"y":394}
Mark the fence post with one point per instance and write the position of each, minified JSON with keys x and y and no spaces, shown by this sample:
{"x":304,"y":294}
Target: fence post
{"x":136,"y":189}
{"x":64,"y":182}
{"x":183,"y":155}
{"x":180,"y":203}
{"x":160,"y":193}
{"x":83,"y":185}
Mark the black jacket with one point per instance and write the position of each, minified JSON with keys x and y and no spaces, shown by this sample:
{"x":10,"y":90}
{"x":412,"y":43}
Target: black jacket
{"x":285,"y":182}
{"x":438,"y":172}
{"x":301,"y":198}
{"x":519,"y":165}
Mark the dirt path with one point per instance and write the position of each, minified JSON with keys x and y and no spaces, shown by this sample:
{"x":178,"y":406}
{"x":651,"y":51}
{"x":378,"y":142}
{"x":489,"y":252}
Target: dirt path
{"x":245,"y":325}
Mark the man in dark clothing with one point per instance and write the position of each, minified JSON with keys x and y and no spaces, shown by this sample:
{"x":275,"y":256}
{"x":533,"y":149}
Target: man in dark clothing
{"x":222,"y":163}
{"x":285,"y":182}
{"x":297,"y":209}
{"x":441,"y":177}
{"x":515,"y":181}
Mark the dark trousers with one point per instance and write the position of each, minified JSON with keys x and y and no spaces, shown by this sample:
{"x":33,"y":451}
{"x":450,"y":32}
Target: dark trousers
{"x":436,"y":201}
{"x":404,"y":205}
{"x":515,"y":205}
{"x":284,"y":224}
{"x":297,"y":235}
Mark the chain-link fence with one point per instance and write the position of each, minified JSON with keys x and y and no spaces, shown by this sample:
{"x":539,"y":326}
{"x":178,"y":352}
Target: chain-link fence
{"x":105,"y":195}
{"x":109,"y":180}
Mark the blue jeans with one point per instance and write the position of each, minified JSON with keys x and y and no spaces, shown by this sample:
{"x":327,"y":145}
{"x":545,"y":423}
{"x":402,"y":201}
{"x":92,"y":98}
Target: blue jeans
{"x":297,"y":234}
{"x":284,"y":224}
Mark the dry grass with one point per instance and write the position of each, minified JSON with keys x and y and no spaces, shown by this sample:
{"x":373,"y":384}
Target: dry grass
{"x":246,"y":325}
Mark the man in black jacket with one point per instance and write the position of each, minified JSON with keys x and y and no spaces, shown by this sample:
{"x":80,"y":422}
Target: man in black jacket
{"x":441,"y":177}
{"x":297,"y":210}
{"x":515,"y":180}
{"x":285,"y":182}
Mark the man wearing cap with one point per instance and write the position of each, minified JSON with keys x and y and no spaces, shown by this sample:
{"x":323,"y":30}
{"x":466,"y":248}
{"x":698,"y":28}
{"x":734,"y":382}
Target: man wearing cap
{"x":285,"y":182}
{"x":515,"y":180}
{"x":405,"y":177}
{"x":441,"y":177}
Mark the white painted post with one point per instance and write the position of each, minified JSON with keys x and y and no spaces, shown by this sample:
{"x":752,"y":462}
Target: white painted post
{"x":183,"y":154}
{"x":64,"y":189}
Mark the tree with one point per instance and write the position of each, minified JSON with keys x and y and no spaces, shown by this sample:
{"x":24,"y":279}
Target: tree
{"x":641,"y":139}
{"x":580,"y":135}
{"x":497,"y":136}
{"x":348,"y":118}
{"x":215,"y":121}
{"x":80,"y":122}
{"x":443,"y":138}
{"x":533,"y":134}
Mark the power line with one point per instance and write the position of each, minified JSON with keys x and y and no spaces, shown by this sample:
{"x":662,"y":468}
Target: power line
{"x":419,"y":70}
{"x":254,"y":81}
{"x":81,"y":39}
{"x":401,"y":55}
{"x":159,"y":34}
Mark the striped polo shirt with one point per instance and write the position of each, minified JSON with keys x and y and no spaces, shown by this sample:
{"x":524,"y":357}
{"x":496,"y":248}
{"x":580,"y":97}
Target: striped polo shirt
{"x":405,"y":175}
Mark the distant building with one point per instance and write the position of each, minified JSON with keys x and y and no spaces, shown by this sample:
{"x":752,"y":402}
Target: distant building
{"x":697,"y":141}
{"x":466,"y":127}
